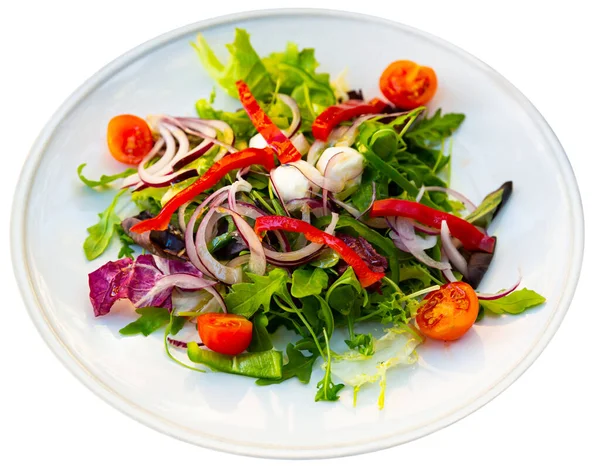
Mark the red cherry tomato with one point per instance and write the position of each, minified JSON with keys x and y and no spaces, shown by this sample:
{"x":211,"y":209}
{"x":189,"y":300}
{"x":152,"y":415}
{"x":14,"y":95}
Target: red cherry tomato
{"x":224,"y":333}
{"x":448,"y":313}
{"x":129,"y":139}
{"x":408,"y":85}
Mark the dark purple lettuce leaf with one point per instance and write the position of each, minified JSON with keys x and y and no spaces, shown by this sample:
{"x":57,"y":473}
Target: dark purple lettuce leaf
{"x":108,"y":284}
{"x":126,"y":279}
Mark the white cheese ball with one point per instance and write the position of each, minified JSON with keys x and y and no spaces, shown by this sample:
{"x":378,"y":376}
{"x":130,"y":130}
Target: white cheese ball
{"x":257,"y":141}
{"x":347,"y":168}
{"x":290,"y":183}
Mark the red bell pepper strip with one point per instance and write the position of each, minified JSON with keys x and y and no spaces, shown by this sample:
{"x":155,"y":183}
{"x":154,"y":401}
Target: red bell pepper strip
{"x":241,"y":159}
{"x":470,"y":236}
{"x":334,"y":115}
{"x":365,"y":275}
{"x":275,"y":138}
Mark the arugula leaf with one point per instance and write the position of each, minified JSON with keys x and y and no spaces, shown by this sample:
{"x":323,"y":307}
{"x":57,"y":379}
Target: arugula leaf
{"x":126,"y":242}
{"x":307,"y":281}
{"x":243,"y":63}
{"x":347,"y":278}
{"x":432,"y":130}
{"x":177,"y":324}
{"x":150,"y":320}
{"x":298,"y":365}
{"x":490,"y":206}
{"x":100,"y":234}
{"x":363,"y":343}
{"x":246,"y":298}
{"x":104,"y":180}
{"x":514,"y":303}
{"x":326,"y":389}
{"x":261,"y":340}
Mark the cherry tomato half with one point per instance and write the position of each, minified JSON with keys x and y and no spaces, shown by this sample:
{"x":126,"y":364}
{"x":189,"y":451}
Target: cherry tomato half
{"x":129,"y":138}
{"x":408,"y":85}
{"x":448,"y":313}
{"x":224,"y":333}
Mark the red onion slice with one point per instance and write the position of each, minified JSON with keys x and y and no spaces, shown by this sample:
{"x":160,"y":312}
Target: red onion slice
{"x":314,"y":152}
{"x":500,"y":294}
{"x":239,"y":261}
{"x":198,"y":128}
{"x":297,"y":204}
{"x":448,"y":275}
{"x":302,"y":255}
{"x":218,"y":197}
{"x":179,"y":280}
{"x":300,"y":143}
{"x":134,"y":179}
{"x":314,"y":176}
{"x":405,"y":239}
{"x":349,"y":136}
{"x":457,"y":260}
{"x":258,"y":261}
{"x":296,"y":117}
{"x":218,"y":270}
{"x":239,"y":186}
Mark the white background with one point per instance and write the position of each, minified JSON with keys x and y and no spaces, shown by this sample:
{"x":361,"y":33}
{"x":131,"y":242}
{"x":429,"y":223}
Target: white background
{"x":546,"y":421}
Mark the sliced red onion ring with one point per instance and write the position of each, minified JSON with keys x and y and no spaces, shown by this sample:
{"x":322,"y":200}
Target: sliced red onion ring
{"x":179,"y":280}
{"x":181,"y":216}
{"x":469,"y":206}
{"x":448,"y":275}
{"x":425,"y":229}
{"x":170,"y":149}
{"x":420,"y":194}
{"x":134,"y":179}
{"x":337,"y":133}
{"x":314,"y":176}
{"x":218,"y":270}
{"x":197,"y":127}
{"x":239,"y":261}
{"x":218,"y":197}
{"x":349,"y":136}
{"x":258,"y":261}
{"x":351,"y":210}
{"x":403,"y":235}
{"x":296,"y":117}
{"x":296,"y":257}
{"x":300,"y":143}
{"x":500,"y":294}
{"x":314,"y":152}
{"x":457,"y":260}
{"x":217,"y":297}
{"x":239,"y":186}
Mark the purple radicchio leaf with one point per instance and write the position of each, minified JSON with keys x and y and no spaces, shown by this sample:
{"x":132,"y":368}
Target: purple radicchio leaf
{"x":126,"y":279}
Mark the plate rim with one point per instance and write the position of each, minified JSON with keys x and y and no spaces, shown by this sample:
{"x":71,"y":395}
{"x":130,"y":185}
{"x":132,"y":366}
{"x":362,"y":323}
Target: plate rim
{"x":138,"y":413}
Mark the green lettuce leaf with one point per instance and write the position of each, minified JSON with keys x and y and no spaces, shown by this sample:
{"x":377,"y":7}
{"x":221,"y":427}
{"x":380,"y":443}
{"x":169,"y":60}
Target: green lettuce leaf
{"x":515,"y":303}
{"x":244,"y":63}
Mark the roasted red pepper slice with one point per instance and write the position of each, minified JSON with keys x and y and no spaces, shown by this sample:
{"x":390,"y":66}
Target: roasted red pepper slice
{"x":470,"y":236}
{"x":277,"y":141}
{"x":241,"y":159}
{"x":364,"y":274}
{"x":334,"y":115}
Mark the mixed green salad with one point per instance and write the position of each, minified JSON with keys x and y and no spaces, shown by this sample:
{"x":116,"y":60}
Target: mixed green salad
{"x":309,"y":209}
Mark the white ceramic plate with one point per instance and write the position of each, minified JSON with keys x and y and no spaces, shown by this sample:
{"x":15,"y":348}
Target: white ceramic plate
{"x":504,"y":138}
